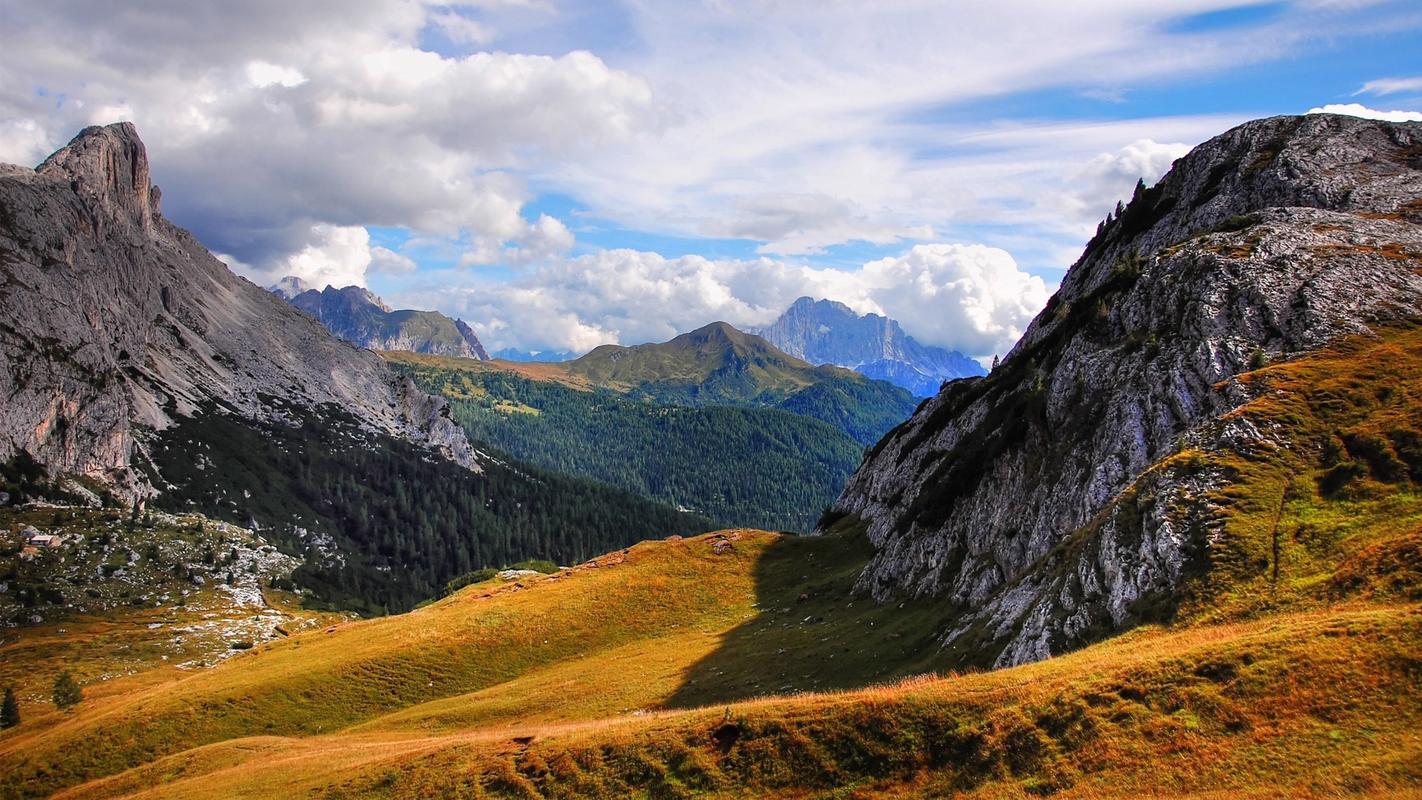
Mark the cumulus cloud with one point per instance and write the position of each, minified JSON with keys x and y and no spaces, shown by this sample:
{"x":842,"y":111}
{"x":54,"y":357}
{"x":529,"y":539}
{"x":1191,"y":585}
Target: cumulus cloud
{"x":335,"y":255}
{"x":386,"y":261}
{"x":969,"y":297}
{"x":1383,"y":86}
{"x":316,"y":114}
{"x":23,"y":142}
{"x":1359,"y":110}
{"x":1109,"y":177}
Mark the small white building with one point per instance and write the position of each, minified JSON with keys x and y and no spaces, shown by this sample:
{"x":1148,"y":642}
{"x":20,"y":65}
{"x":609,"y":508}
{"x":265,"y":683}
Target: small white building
{"x":37,"y":539}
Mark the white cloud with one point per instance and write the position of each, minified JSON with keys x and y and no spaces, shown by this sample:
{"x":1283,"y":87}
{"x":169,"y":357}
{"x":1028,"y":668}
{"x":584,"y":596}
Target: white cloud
{"x":387,"y":261}
{"x":263,"y":74}
{"x":1108,"y":177}
{"x":1383,"y":86}
{"x":1359,"y":110}
{"x":969,"y":297}
{"x":23,"y":142}
{"x":264,"y":119}
{"x":333,"y":255}
{"x":461,"y":29}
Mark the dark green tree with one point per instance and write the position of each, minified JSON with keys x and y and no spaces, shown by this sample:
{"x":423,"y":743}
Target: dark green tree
{"x":66,"y":692}
{"x":9,"y":710}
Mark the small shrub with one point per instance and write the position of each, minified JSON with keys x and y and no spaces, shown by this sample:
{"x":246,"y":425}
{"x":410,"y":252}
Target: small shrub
{"x":9,"y":710}
{"x":67,"y":693}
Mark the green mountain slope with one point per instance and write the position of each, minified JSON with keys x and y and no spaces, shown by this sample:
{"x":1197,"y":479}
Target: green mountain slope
{"x":758,"y":467}
{"x":381,"y":523}
{"x":719,"y":365}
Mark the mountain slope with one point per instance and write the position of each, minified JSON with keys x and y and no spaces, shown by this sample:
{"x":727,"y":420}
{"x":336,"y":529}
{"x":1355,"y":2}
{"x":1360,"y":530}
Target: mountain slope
{"x":137,"y":360}
{"x":359,"y":317}
{"x":631,"y":671}
{"x":827,"y":332}
{"x":113,"y":321}
{"x":1084,"y":485}
{"x":787,"y":467}
{"x":719,"y":365}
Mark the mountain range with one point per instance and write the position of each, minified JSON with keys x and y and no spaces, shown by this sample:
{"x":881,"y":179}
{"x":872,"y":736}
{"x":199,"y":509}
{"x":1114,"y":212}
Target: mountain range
{"x":356,"y":315}
{"x":828,"y":332}
{"x":1171,"y":546}
{"x":139,"y":367}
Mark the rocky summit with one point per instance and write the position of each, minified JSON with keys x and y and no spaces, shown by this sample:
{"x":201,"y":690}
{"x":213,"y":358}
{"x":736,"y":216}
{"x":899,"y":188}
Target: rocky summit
{"x":114,"y":323}
{"x":358,"y":316}
{"x":1045,"y":503}
{"x":828,"y":332}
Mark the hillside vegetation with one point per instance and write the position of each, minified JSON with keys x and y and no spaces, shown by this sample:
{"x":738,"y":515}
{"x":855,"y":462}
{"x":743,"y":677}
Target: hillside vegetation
{"x":380,"y":523}
{"x":699,"y":666}
{"x":784,"y":466}
{"x":717,"y":365}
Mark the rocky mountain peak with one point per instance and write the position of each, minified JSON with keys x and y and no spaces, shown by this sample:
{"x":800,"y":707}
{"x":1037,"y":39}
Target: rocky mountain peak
{"x":1323,"y":161}
{"x":107,"y":167}
{"x":1042,"y":502}
{"x":359,"y":316}
{"x":115,"y":324}
{"x":289,"y":287}
{"x":830,"y":332}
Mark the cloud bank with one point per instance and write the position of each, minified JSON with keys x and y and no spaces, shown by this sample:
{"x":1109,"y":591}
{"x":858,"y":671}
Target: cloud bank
{"x":969,"y":297}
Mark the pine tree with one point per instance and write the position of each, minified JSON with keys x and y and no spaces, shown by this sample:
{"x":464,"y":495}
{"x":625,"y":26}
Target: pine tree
{"x":66,"y":692}
{"x":9,"y":710}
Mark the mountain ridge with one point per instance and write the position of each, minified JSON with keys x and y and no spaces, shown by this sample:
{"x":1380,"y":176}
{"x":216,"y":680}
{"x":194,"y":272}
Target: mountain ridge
{"x":1053,"y":500}
{"x":357,"y":315}
{"x":829,"y":332}
{"x":116,"y":322}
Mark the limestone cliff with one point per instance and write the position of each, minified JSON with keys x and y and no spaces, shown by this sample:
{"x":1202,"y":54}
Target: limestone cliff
{"x":115,"y":322}
{"x":1038,"y":501}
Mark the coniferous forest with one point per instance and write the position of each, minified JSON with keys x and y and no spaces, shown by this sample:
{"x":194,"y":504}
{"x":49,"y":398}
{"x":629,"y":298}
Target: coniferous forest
{"x":754,"y":467}
{"x":382,"y":523}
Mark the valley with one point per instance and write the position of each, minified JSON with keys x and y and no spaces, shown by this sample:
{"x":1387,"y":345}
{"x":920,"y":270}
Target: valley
{"x":1170,"y":545}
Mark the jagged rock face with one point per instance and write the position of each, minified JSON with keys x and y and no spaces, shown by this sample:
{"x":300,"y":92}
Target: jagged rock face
{"x":827,"y":332}
{"x":358,"y":316}
{"x":1268,"y":241}
{"x":113,"y":322}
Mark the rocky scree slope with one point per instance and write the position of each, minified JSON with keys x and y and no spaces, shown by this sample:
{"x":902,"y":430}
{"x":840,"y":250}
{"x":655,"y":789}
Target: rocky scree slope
{"x":827,"y":332}
{"x":114,"y":321}
{"x":1042,"y":501}
{"x":356,"y":315}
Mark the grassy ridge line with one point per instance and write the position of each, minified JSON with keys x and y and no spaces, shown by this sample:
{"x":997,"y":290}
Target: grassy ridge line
{"x":1314,"y":703}
{"x":322,"y":682}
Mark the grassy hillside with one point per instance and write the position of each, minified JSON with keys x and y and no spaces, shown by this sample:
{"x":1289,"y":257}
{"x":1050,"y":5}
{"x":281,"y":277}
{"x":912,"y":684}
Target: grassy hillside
{"x":706,"y":666}
{"x":785,"y":466}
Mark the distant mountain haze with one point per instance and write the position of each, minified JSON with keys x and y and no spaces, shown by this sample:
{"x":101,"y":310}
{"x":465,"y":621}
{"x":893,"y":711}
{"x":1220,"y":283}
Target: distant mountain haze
{"x":829,"y":332}
{"x":358,"y":316}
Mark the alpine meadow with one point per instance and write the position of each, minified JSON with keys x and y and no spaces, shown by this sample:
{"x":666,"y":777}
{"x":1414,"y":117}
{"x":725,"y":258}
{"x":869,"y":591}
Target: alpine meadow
{"x":573,"y":399}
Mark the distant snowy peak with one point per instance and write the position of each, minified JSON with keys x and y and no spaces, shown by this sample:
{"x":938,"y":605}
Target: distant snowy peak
{"x":829,"y":332}
{"x":289,"y":287}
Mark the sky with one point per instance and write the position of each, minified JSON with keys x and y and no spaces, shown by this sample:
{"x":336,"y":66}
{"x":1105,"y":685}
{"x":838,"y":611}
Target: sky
{"x":566,"y":174}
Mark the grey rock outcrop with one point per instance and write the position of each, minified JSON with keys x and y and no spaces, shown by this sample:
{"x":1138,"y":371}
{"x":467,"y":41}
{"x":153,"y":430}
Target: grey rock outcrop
{"x":356,"y":315}
{"x":114,"y":322}
{"x":1032,"y":502}
{"x":827,"y":332}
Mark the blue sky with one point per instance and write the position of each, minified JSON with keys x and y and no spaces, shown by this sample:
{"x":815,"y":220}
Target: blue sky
{"x":563,"y":174}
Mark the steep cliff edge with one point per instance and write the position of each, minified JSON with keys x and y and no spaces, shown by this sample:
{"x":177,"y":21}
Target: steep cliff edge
{"x":114,"y":322}
{"x":1077,"y":489}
